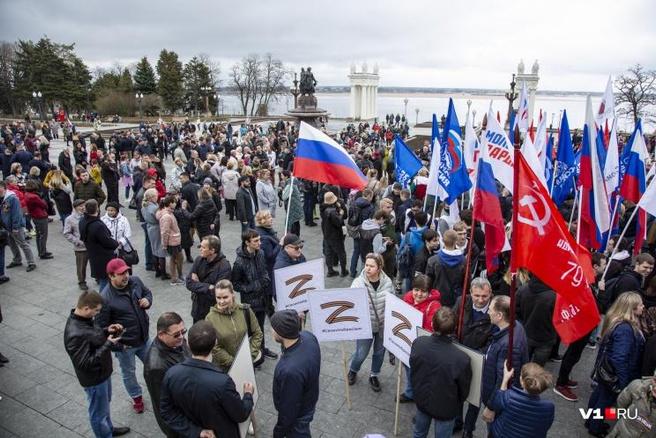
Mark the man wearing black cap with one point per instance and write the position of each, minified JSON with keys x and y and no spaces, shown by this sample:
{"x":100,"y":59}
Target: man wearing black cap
{"x":296,"y":378}
{"x":292,"y":252}
{"x":246,"y":206}
{"x":72,"y":234}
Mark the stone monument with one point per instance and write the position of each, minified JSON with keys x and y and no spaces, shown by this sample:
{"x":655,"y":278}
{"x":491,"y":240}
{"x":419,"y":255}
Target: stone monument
{"x":306,"y":108}
{"x":531,"y":79}
{"x":364,"y":92}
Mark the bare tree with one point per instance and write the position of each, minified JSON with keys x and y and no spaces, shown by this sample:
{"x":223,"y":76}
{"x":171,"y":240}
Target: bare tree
{"x":271,"y":83}
{"x":636,"y":91}
{"x":244,"y":77}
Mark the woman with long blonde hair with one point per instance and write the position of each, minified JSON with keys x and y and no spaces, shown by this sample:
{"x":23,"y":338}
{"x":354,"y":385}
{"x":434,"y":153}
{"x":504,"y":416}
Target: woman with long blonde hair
{"x":61,"y":190}
{"x":619,"y":356}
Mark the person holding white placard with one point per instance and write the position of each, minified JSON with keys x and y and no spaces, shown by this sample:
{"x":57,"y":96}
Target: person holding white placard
{"x":378,"y":285}
{"x":232,"y":321}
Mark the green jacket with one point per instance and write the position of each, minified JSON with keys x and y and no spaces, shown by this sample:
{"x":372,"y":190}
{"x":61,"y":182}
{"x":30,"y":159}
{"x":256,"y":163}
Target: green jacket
{"x":231,"y":328}
{"x":636,"y":397}
{"x":296,"y":207}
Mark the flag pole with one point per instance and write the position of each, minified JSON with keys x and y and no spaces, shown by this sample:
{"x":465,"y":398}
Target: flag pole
{"x":619,"y":239}
{"x":553,"y":174}
{"x":578,"y":220}
{"x":513,"y":245}
{"x":289,"y":203}
{"x":465,"y":285}
{"x":574,"y":205}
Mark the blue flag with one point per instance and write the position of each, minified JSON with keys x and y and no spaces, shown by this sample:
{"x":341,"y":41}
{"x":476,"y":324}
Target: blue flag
{"x":453,"y":175}
{"x":435,"y":132}
{"x":548,"y":160}
{"x":566,"y":170}
{"x":406,"y":162}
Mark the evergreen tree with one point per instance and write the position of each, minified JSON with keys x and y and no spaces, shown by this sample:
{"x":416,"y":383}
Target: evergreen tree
{"x":169,"y":87}
{"x":197,"y":77}
{"x":125,"y":82}
{"x":144,"y":77}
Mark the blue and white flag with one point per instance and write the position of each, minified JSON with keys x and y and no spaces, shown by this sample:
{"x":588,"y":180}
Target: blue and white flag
{"x":453,"y":176}
{"x":564,"y":180}
{"x":433,"y":187}
{"x":406,"y":162}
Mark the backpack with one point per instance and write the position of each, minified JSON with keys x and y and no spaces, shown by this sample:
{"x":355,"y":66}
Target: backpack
{"x":405,"y":259}
{"x":354,"y":221}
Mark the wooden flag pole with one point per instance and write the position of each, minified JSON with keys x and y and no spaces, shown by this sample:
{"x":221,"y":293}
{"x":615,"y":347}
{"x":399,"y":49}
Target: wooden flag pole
{"x":348,"y":389}
{"x":398,"y":401}
{"x":465,"y":285}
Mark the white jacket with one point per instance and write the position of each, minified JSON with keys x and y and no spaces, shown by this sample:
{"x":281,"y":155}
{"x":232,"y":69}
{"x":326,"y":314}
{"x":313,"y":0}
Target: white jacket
{"x":119,"y":227}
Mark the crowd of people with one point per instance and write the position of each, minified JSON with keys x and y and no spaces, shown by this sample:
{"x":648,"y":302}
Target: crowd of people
{"x":183,"y":179}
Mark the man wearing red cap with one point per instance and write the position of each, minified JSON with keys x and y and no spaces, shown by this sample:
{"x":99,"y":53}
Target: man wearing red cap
{"x":125,"y":301}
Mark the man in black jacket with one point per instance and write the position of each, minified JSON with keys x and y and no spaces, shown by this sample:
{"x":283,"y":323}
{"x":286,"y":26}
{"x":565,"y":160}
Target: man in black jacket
{"x":251,"y":279}
{"x":210,"y":267}
{"x":296,"y":378}
{"x":431,"y":245}
{"x":189,"y":191}
{"x":535,"y":305}
{"x":98,"y":240}
{"x":629,"y":280}
{"x":89,"y":347}
{"x":125,"y":301}
{"x":332,"y":221}
{"x":476,"y":334}
{"x":441,"y":375}
{"x":168,"y":348}
{"x":198,"y":399}
{"x":246,"y":206}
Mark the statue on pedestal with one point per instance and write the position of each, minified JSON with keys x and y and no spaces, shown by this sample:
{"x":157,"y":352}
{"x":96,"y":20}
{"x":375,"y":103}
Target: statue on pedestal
{"x":520,"y":67}
{"x":306,"y":87}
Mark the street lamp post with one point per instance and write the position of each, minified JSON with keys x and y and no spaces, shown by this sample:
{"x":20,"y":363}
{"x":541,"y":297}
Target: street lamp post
{"x":139,"y":96}
{"x":37,"y":96}
{"x":416,"y":116}
{"x":405,"y":108}
{"x":511,"y":97}
{"x":206,"y":92}
{"x":217,"y":96}
{"x":295,"y":91}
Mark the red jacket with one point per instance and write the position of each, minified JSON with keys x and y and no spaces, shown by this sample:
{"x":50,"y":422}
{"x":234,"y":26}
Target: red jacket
{"x":20,"y":194}
{"x":428,"y":307}
{"x":36,"y":207}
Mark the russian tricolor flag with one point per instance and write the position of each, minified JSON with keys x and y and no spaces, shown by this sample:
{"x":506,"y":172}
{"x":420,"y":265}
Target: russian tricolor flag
{"x":487,"y":210}
{"x":634,"y":181}
{"x":594,"y":209}
{"x":319,"y":158}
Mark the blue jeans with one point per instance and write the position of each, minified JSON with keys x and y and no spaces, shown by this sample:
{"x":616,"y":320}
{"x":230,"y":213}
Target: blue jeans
{"x":408,"y":384}
{"x":443,"y":429}
{"x":99,"y":397}
{"x":301,"y":428}
{"x":148,"y":252}
{"x":362,"y":347}
{"x":126,"y":359}
{"x":355,"y":257}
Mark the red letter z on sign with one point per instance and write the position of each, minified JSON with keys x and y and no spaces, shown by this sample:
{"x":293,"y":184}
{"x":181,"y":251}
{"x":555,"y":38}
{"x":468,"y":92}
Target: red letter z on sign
{"x":403,"y":325}
{"x":342,"y":306}
{"x":302,"y":279}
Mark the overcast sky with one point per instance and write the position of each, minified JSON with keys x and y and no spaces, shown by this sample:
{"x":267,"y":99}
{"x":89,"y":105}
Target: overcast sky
{"x":471,"y":43}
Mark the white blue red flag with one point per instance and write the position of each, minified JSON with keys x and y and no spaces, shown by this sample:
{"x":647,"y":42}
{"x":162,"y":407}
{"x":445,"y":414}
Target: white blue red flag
{"x":319,"y":158}
{"x":634,"y":180}
{"x":522,"y":117}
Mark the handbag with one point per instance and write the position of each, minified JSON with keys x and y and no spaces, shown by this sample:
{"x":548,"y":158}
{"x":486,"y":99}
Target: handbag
{"x":604,"y":371}
{"x":128,"y":253}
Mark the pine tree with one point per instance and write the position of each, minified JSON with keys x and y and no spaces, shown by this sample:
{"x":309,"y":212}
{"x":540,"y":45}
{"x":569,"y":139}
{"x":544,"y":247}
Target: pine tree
{"x":144,"y":77}
{"x":125,"y":81}
{"x":169,"y":87}
{"x":197,"y":77}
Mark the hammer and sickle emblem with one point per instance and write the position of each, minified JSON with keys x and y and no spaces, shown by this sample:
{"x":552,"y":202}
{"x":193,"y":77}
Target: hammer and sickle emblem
{"x":535,"y":220}
{"x":342,"y":306}
{"x":301,"y":279}
{"x":403,"y":325}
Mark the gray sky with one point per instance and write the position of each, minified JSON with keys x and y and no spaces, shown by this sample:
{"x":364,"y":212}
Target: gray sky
{"x":470,"y":43}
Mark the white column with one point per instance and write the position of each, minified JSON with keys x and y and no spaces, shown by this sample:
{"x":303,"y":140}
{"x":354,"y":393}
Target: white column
{"x":365,"y":96}
{"x":352,"y":101}
{"x":358,"y":102}
{"x":371,"y":102}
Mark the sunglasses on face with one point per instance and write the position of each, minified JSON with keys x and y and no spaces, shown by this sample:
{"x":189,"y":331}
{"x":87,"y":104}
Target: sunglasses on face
{"x":177,"y":334}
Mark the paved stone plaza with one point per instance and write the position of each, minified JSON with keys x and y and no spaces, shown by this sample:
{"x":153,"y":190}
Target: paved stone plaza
{"x":42,"y":397}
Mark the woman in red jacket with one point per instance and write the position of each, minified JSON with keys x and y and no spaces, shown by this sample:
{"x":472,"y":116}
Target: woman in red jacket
{"x":37,"y":208}
{"x":427,"y":301}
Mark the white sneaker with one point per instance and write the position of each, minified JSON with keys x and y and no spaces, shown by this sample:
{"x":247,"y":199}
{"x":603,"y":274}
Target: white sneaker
{"x":251,"y":431}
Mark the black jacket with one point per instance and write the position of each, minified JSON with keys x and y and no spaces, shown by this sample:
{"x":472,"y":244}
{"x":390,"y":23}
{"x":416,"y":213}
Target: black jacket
{"x":296,"y":383}
{"x":627,"y":281}
{"x":475,"y":334}
{"x":245,"y":210}
{"x":271,"y":247}
{"x":159,"y":359}
{"x":189,"y":192}
{"x":66,"y":166}
{"x":197,"y":395}
{"x":250,"y":278}
{"x":209,"y":273}
{"x":204,"y":215}
{"x":100,"y":245}
{"x":90,"y":351}
{"x":441,"y":375}
{"x":121,"y":306}
{"x":535,"y":305}
{"x":331,"y":222}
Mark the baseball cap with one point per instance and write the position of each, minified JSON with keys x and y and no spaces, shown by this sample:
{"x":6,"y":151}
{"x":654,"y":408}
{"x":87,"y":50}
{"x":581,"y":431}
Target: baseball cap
{"x":117,"y":266}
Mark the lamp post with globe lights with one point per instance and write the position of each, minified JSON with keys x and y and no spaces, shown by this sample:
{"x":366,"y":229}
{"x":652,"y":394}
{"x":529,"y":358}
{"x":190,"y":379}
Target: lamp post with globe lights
{"x":37,"y":97}
{"x":139,"y":96}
